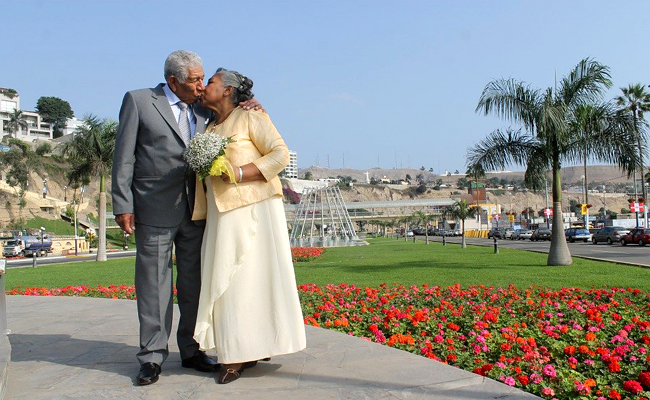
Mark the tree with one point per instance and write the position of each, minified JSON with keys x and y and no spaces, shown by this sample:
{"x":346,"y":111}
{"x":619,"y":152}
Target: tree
{"x":460,"y":210}
{"x":635,"y":100}
{"x":18,"y":162}
{"x":545,"y":140}
{"x":423,"y":218}
{"x":55,"y":111}
{"x":587,"y":120}
{"x":91,"y":155}
{"x":16,"y":121}
{"x":308,"y":176}
{"x":408,"y":178}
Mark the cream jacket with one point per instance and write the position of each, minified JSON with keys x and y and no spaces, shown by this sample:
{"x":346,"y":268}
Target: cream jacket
{"x":255,"y":140}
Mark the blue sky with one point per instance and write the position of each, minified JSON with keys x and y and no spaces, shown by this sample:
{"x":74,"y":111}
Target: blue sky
{"x":359,"y":83}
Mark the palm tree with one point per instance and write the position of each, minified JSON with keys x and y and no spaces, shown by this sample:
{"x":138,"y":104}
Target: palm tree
{"x":91,"y":154}
{"x":602,"y":120}
{"x":636,"y":100}
{"x":476,"y":173}
{"x":460,"y":210}
{"x":16,"y":121}
{"x":545,"y":139}
{"x":423,"y":218}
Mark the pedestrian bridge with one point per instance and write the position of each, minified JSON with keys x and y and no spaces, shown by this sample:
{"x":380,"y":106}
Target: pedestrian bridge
{"x":366,"y":210}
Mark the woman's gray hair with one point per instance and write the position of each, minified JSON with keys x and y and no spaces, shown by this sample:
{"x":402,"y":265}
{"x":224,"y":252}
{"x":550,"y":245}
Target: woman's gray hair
{"x":241,"y":84}
{"x":178,"y":62}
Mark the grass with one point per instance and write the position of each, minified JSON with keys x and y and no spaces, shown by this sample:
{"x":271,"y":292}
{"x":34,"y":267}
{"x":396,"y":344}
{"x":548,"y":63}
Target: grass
{"x":57,"y":227}
{"x":384,"y":261}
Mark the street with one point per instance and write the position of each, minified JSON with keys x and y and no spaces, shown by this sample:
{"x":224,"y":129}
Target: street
{"x":630,"y":254}
{"x":27,"y":262}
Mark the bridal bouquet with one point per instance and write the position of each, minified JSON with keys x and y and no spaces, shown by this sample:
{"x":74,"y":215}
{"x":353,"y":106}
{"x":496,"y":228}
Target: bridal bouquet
{"x":206,"y":155}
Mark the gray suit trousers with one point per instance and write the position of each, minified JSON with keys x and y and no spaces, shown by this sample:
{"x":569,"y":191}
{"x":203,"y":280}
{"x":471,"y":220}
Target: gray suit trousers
{"x":154,"y":287}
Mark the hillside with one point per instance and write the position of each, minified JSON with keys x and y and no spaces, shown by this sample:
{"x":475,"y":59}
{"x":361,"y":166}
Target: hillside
{"x":49,"y":207}
{"x":570,"y":175}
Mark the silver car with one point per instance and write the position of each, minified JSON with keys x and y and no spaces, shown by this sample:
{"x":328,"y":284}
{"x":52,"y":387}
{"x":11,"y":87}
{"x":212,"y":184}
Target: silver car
{"x":521,"y":234}
{"x":609,"y":234}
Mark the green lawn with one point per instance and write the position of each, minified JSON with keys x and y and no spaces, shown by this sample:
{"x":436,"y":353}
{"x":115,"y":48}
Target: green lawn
{"x":386,"y":261}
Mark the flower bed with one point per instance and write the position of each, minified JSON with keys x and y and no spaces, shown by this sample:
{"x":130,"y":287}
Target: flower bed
{"x":558,"y":344}
{"x":563,"y":344}
{"x":299,"y":254}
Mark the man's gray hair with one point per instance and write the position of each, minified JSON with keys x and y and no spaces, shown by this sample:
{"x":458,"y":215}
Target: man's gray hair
{"x":178,"y":62}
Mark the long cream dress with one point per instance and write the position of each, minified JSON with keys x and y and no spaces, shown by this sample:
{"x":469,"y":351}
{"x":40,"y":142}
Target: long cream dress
{"x":249,"y":307}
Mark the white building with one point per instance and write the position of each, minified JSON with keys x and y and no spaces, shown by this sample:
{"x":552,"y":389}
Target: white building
{"x":291,"y":170}
{"x":36,"y":127}
{"x":71,"y":125}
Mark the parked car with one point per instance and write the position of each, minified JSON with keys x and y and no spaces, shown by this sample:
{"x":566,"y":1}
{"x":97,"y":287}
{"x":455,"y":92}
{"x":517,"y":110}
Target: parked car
{"x":609,"y":234}
{"x":541,"y":234}
{"x":457,"y":232}
{"x":499,"y":233}
{"x":507,"y":233}
{"x":641,"y":236}
{"x":521,"y":234}
{"x":420,"y":231}
{"x":573,"y":234}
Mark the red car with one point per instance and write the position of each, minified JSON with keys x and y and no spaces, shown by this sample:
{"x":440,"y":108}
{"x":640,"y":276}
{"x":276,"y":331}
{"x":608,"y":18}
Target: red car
{"x":637,"y":235}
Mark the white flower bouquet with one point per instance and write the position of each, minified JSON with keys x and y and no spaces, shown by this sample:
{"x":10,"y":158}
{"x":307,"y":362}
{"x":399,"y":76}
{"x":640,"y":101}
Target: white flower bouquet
{"x":206,"y":155}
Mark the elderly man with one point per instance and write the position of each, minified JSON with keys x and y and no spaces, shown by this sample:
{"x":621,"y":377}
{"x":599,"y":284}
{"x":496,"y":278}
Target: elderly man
{"x":153,"y":194}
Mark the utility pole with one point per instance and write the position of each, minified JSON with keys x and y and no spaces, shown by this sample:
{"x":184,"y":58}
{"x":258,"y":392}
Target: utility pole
{"x":548,"y":223}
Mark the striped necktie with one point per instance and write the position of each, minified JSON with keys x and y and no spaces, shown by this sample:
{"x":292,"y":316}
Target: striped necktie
{"x":184,"y":123}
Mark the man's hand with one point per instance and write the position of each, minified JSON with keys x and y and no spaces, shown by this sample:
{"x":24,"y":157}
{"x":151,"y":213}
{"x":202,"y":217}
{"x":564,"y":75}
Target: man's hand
{"x":252,"y":103}
{"x":126,"y":222}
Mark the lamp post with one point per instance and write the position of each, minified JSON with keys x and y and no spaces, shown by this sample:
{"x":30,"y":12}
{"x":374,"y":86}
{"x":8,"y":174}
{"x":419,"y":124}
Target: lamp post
{"x":34,"y":252}
{"x":74,"y":205}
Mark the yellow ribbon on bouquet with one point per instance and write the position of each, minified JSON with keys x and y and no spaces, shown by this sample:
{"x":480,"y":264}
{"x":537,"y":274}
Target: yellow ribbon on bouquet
{"x":220,"y":165}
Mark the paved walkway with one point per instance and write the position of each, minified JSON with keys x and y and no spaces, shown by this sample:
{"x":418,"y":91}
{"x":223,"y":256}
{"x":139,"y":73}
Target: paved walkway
{"x":84,"y":348}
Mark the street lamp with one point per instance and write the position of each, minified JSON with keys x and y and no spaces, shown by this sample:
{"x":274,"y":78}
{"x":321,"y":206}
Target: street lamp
{"x":34,"y":253}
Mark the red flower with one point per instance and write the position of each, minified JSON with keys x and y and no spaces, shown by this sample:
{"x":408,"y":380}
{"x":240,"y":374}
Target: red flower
{"x":614,"y":395}
{"x":633,"y":387}
{"x":644,"y":378}
{"x":523,"y":379}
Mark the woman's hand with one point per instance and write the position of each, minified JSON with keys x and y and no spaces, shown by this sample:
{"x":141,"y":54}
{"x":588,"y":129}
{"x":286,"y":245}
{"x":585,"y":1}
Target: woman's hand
{"x":252,"y":103}
{"x":226,"y":178}
{"x":249,"y":173}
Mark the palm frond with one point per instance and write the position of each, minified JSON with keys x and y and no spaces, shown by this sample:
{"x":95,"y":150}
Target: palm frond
{"x":511,"y":100}
{"x":500,"y":149}
{"x":585,"y":83}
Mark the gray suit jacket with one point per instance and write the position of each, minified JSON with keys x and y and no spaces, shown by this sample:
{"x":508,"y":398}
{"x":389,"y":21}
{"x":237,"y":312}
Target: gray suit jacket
{"x":150,"y":177}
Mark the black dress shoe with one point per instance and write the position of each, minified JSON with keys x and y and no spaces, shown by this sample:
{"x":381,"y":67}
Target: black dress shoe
{"x":149,"y":373}
{"x":200,"y":362}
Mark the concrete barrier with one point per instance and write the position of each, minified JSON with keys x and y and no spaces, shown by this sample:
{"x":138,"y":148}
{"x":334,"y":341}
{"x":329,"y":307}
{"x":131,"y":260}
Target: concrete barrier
{"x":5,"y":346}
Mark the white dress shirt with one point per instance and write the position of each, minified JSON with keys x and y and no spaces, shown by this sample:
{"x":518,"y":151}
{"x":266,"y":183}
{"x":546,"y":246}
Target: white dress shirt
{"x":173,"y":103}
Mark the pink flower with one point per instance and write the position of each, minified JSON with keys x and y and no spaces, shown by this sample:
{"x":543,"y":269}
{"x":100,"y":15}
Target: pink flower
{"x":549,"y":371}
{"x":536,"y":378}
{"x":510,"y":381}
{"x":548,"y":392}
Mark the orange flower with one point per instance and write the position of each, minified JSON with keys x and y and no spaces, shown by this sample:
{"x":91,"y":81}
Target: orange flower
{"x":590,"y":336}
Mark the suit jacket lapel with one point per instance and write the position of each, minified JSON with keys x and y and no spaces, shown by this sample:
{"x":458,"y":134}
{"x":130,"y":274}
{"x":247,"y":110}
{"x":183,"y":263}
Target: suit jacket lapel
{"x":161,"y":104}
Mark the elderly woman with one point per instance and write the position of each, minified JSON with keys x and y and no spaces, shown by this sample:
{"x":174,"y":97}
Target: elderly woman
{"x":249,"y":307}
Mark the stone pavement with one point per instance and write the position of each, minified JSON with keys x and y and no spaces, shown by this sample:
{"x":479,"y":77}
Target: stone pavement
{"x":84,"y":348}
